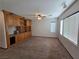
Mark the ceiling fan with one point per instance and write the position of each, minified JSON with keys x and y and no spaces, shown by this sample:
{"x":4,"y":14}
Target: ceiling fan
{"x":40,"y":16}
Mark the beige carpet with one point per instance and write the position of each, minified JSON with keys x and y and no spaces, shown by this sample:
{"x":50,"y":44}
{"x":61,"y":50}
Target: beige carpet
{"x":36,"y":48}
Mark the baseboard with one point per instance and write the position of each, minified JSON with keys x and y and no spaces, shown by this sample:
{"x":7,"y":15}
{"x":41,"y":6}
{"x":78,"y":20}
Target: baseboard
{"x":65,"y":48}
{"x":46,"y":37}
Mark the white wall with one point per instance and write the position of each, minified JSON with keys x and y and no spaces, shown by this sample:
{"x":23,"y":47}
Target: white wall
{"x":2,"y":31}
{"x":73,"y":50}
{"x":42,"y":28}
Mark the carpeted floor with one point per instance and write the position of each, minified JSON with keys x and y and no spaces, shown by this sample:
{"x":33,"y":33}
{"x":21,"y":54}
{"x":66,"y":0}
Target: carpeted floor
{"x":36,"y":48}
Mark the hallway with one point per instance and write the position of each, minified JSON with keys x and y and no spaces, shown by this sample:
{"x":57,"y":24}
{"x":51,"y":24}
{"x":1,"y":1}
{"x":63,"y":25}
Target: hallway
{"x":36,"y":48}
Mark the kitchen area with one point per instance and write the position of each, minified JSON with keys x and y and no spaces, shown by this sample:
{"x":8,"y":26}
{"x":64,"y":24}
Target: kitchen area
{"x":17,"y":28}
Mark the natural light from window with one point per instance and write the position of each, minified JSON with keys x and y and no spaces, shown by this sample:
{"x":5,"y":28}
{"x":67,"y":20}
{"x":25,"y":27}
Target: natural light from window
{"x":53,"y":27}
{"x":69,"y":28}
{"x":61,"y":27}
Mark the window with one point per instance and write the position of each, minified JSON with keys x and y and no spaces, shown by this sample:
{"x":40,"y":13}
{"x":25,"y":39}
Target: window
{"x":53,"y":27}
{"x":61,"y":27}
{"x":70,"y":28}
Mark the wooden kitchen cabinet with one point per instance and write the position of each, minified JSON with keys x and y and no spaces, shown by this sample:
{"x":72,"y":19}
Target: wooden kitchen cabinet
{"x":8,"y":39}
{"x":20,"y":37}
{"x":17,"y":21}
{"x":10,"y":20}
{"x":28,"y":22}
{"x":29,"y":34}
{"x":13,"y":20}
{"x":26,"y":35}
{"x":17,"y":37}
{"x":23,"y":36}
{"x":28,"y":25}
{"x":22,"y":25}
{"x":22,"y":22}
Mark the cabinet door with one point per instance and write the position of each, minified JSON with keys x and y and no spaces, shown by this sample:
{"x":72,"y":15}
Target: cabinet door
{"x":22,"y":22}
{"x":10,"y":20}
{"x":23,"y":36}
{"x":8,"y":39}
{"x":29,"y":22}
{"x":16,"y":21}
{"x":29,"y":25}
{"x":29,"y":34}
{"x":26,"y":35}
{"x":17,"y":38}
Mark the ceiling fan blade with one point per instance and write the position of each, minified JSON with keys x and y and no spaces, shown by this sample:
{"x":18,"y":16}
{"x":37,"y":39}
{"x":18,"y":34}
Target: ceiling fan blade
{"x":30,"y":15}
{"x":49,"y":15}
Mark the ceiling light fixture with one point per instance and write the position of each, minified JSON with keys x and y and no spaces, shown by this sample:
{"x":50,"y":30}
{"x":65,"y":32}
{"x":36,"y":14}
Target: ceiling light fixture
{"x":39,"y":17}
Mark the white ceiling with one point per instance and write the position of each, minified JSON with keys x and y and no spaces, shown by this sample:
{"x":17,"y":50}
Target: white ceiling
{"x":25,"y":7}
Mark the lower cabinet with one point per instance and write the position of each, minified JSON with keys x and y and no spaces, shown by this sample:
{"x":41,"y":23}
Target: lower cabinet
{"x":8,"y":40}
{"x":26,"y":35}
{"x":17,"y":38}
{"x":23,"y":36}
{"x":29,"y":34}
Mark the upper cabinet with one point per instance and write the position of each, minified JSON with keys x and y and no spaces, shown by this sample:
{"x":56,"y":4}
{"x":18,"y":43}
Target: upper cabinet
{"x":17,"y":21}
{"x":9,"y":19}
{"x":20,"y":22}
{"x":12,"y":19}
{"x":28,"y":22}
